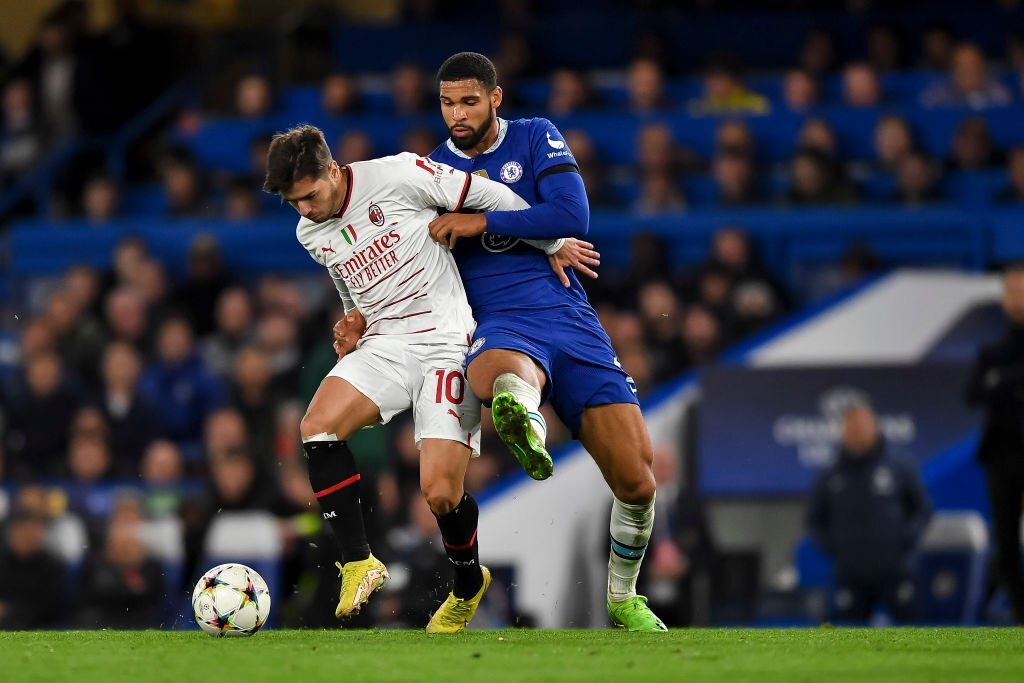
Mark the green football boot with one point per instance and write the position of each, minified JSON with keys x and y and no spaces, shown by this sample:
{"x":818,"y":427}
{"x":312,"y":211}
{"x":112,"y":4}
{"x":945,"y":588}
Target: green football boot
{"x":512,"y":422}
{"x":633,"y":614}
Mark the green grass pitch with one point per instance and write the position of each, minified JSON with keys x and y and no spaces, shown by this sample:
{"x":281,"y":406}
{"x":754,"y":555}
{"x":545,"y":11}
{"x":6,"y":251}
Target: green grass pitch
{"x":681,"y":656}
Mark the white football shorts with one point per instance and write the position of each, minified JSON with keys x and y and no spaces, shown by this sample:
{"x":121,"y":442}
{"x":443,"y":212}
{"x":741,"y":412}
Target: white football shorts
{"x":429,"y":378}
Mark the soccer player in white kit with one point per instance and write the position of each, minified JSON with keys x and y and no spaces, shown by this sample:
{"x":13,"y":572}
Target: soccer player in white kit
{"x":367,"y":224}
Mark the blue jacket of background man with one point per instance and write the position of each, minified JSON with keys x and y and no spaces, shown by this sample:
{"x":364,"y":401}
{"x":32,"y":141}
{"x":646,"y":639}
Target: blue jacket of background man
{"x":867,"y":513}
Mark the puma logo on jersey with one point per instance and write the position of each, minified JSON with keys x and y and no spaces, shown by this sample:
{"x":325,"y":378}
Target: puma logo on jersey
{"x":455,"y":415}
{"x":328,"y":249}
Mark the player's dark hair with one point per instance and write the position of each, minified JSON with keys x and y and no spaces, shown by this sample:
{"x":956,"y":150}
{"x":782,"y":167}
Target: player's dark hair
{"x":466,"y":65}
{"x":298,"y":153}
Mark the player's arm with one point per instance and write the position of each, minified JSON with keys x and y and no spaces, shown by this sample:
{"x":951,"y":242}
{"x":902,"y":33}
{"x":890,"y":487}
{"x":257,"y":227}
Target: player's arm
{"x":563,"y":209}
{"x":349,"y":329}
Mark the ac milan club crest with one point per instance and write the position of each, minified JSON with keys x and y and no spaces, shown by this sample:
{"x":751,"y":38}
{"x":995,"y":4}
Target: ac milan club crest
{"x":376,"y":215}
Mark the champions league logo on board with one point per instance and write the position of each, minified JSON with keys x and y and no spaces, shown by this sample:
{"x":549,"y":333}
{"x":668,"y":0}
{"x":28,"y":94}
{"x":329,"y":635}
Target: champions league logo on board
{"x":816,"y":437}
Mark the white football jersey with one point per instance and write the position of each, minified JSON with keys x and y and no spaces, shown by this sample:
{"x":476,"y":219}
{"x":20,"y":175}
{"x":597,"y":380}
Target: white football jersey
{"x":380,"y":254}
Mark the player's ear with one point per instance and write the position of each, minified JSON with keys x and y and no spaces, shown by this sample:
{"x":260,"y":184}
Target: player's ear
{"x":496,"y":96}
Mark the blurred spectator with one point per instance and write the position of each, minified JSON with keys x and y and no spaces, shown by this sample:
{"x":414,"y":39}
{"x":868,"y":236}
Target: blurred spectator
{"x":52,"y":65}
{"x":917,"y":180}
{"x":38,"y":418}
{"x":861,"y":87}
{"x":1015,"y":51}
{"x":725,"y":92}
{"x":817,"y":135}
{"x":162,"y":464}
{"x":661,"y":311}
{"x":130,"y":253}
{"x":253,"y":98}
{"x":410,"y":93}
{"x":241,"y":201}
{"x":570,"y":93}
{"x":206,"y":279}
{"x":702,"y":335}
{"x":36,"y":336}
{"x":182,"y":183}
{"x":89,"y":461}
{"x":592,"y":170}
{"x":339,"y":95}
{"x":736,"y":135}
{"x":21,"y":137}
{"x":972,"y":146}
{"x":278,"y":336}
{"x":893,"y":141}
{"x":79,"y":336}
{"x":681,"y":550}
{"x":856,"y":263}
{"x":658,"y":194}
{"x":885,"y":48}
{"x":714,"y":288}
{"x":818,"y":53}
{"x":153,"y":288}
{"x":238,"y":484}
{"x":233,"y":330}
{"x":131,"y":417}
{"x":89,"y":423}
{"x":645,"y":87}
{"x":82,"y":283}
{"x":179,"y":385}
{"x":126,"y":318}
{"x":224,"y":431}
{"x":733,"y":254}
{"x":29,"y":577}
{"x":255,"y":398}
{"x":868,"y":512}
{"x":734,"y":175}
{"x":754,"y":305}
{"x":996,"y":385}
{"x":421,"y":141}
{"x":258,"y":148}
{"x":354,"y":145}
{"x":799,"y":90}
{"x":658,"y":152}
{"x":814,"y":181}
{"x":101,"y":199}
{"x":650,"y":256}
{"x":1014,"y":191}
{"x":969,"y":83}
{"x":124,"y":584}
{"x":937,"y":47}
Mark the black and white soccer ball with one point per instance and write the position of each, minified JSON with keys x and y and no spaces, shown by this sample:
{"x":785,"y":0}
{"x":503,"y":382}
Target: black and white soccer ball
{"x":231,"y":600}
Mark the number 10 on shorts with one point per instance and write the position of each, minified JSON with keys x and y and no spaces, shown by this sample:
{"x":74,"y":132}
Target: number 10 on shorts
{"x":451,"y":385}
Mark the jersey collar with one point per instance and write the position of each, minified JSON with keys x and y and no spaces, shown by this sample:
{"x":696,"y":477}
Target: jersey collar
{"x":502,"y":129}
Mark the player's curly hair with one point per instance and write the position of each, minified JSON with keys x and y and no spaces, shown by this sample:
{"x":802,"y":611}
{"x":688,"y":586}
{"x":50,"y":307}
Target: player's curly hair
{"x":297,"y":153}
{"x":466,"y":65}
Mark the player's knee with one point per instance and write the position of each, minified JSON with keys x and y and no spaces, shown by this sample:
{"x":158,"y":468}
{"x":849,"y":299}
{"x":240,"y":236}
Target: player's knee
{"x":441,"y":497}
{"x":636,"y":488}
{"x":316,"y":422}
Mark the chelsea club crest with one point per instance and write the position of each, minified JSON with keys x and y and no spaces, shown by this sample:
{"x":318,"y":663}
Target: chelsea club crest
{"x":511,"y":172}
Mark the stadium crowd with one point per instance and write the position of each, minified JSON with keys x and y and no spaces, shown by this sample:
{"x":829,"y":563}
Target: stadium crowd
{"x":131,"y":397}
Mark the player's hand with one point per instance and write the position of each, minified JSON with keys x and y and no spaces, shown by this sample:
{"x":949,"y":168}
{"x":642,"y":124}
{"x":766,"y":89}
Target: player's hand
{"x":574,"y":254}
{"x":450,"y":227}
{"x":347,"y":332}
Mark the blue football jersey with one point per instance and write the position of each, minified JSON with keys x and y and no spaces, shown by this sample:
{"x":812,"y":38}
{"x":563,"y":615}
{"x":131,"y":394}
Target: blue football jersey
{"x":503,"y":273}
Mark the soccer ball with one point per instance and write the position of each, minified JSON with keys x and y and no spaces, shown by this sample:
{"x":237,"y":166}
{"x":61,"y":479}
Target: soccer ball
{"x":231,"y":600}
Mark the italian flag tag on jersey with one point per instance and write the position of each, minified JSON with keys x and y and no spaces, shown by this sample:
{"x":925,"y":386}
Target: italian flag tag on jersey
{"x":349,"y":233}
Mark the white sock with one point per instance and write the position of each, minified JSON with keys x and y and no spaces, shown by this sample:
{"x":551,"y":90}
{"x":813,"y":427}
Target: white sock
{"x":526,"y":394}
{"x":630,"y":530}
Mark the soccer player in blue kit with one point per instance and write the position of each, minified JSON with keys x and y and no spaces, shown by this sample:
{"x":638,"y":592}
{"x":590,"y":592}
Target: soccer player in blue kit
{"x":538,"y":337}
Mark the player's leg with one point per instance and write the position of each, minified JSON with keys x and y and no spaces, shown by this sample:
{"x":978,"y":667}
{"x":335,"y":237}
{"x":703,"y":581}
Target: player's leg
{"x":616,"y":437}
{"x":448,"y":434}
{"x":505,"y":375}
{"x":364,"y":388}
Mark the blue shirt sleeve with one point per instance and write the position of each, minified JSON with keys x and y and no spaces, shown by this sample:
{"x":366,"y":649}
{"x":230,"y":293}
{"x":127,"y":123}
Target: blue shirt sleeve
{"x":564,"y":210}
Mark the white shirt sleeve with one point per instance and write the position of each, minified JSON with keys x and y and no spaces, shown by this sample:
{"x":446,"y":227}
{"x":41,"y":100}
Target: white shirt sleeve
{"x":346,"y":298}
{"x":432,"y":184}
{"x":549,"y":247}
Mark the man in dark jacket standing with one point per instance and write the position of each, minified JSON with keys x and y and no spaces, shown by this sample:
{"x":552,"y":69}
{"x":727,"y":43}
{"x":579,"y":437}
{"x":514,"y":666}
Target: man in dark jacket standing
{"x":867,"y":512}
{"x":997,"y":384}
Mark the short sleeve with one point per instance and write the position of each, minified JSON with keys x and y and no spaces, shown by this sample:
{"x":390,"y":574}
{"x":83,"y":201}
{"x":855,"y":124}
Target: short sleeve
{"x":548,"y":146}
{"x":433,"y":184}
